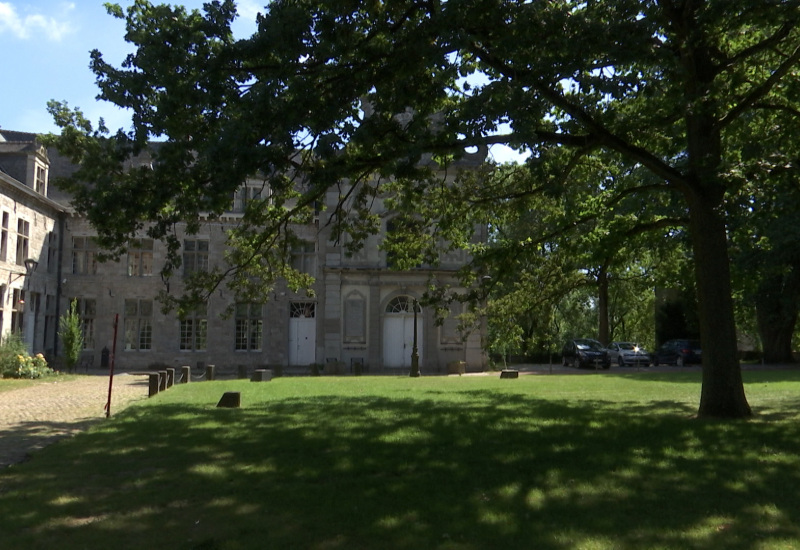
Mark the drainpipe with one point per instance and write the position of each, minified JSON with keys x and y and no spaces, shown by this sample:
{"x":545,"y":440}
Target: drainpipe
{"x":59,"y":262}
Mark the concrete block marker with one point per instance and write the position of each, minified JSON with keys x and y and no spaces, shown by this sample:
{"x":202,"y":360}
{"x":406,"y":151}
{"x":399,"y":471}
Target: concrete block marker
{"x":154,"y":384}
{"x":261,"y":375}
{"x":230,"y":400}
{"x":509,"y":373}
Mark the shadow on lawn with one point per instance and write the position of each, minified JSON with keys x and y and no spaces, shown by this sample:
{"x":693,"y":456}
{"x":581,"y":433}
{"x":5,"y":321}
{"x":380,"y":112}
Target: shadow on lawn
{"x":505,"y":471}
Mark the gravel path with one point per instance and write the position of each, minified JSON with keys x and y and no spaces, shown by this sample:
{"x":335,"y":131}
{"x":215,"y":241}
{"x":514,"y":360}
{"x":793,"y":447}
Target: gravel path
{"x":35,"y":416}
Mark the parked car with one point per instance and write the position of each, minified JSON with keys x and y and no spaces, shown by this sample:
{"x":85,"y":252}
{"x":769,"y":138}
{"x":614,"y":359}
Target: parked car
{"x":585,"y":352}
{"x":678,"y":352}
{"x":628,"y":353}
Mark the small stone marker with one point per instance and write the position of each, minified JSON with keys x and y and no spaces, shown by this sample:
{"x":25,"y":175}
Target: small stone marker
{"x":186,"y":374}
{"x":230,"y":400}
{"x":162,"y":380}
{"x":154,"y":384}
{"x":170,"y":377}
{"x":261,"y":375}
{"x":210,"y":372}
{"x":509,"y":373}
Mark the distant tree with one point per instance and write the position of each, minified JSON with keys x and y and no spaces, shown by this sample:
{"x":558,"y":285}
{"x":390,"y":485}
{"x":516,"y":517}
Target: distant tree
{"x":70,"y":330}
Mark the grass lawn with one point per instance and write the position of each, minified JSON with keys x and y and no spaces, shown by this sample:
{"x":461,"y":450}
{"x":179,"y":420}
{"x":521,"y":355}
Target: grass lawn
{"x":596,"y":461}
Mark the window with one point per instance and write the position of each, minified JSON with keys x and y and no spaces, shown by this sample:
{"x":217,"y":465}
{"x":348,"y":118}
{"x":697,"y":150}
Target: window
{"x":247,"y":194}
{"x":304,"y":257}
{"x":2,"y":303}
{"x":17,"y":310}
{"x":138,"y":325}
{"x":84,"y":256}
{"x":41,"y":180}
{"x":140,"y":258}
{"x":52,"y":251}
{"x":23,"y":234}
{"x":194,"y":329}
{"x":249,"y":327}
{"x":87,"y":311}
{"x":195,"y":256}
{"x":4,"y":238}
{"x":449,"y":332}
{"x":50,"y":327}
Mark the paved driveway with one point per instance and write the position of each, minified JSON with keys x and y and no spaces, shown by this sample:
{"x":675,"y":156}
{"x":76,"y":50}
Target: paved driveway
{"x":38,"y":415}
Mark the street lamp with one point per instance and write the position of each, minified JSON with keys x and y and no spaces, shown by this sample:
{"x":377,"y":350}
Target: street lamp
{"x":414,"y":349}
{"x":30,"y":265}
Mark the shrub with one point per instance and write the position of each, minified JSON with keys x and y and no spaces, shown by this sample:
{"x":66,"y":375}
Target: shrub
{"x":16,"y":362}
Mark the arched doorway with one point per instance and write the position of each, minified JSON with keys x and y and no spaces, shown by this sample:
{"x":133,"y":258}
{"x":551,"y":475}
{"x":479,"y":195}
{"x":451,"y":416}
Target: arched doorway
{"x":398,"y":332}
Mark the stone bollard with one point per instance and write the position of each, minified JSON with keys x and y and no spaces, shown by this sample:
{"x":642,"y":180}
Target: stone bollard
{"x":153,"y":389}
{"x":210,"y":372}
{"x":162,"y":380}
{"x":186,"y":374}
{"x":230,"y":400}
{"x":457,"y":367}
{"x":509,"y":373}
{"x":261,"y":375}
{"x":242,"y":371}
{"x":170,"y":377}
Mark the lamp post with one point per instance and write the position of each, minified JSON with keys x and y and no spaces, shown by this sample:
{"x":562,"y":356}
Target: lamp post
{"x":414,"y":349}
{"x":30,"y":267}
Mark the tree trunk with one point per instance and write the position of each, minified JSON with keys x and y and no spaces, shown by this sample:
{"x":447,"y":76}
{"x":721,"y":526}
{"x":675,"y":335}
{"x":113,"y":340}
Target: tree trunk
{"x":602,"y":305}
{"x":776,"y":314}
{"x":722,"y":395}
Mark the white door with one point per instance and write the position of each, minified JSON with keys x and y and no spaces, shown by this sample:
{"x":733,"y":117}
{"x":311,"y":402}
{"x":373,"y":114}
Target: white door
{"x":302,"y":333}
{"x":398,"y":333}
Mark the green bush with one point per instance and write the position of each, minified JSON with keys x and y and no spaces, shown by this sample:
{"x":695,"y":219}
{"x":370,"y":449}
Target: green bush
{"x":16,"y":362}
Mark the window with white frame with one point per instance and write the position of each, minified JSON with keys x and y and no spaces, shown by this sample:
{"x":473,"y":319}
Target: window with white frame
{"x":304,"y":257}
{"x":84,"y":256}
{"x":194,"y":329}
{"x":87,"y":311}
{"x":138,"y":325}
{"x":17,"y":310}
{"x":4,"y":238}
{"x":249,"y":327}
{"x":195,"y":256}
{"x":140,"y":258}
{"x":41,"y":180}
{"x":23,"y":235}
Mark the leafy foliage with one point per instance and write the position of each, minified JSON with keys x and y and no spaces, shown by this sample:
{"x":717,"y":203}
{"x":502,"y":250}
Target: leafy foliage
{"x":346,"y":97}
{"x":70,"y":330}
{"x":16,"y":362}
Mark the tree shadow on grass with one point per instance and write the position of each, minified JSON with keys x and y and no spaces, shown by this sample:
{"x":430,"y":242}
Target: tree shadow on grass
{"x":504,"y":471}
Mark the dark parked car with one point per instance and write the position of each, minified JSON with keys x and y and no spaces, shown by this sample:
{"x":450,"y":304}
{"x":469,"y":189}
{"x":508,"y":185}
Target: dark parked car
{"x":678,"y":352}
{"x":628,"y":353}
{"x":585,"y":352}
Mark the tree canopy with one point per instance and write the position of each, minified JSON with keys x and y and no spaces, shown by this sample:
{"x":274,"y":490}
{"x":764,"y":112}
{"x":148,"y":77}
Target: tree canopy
{"x":338,"y":90}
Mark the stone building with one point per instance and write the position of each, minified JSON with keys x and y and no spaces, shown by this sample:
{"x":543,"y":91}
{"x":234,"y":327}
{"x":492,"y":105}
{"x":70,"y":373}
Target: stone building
{"x":361,"y":315}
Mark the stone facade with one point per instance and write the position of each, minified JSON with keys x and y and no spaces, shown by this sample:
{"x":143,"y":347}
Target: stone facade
{"x":360,"y":318}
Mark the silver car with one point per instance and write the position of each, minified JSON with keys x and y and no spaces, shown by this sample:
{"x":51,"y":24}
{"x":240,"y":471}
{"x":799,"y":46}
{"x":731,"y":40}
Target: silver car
{"x":627,"y":354}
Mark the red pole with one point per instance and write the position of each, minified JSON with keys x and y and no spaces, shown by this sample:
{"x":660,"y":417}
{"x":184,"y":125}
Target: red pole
{"x":111,"y":366}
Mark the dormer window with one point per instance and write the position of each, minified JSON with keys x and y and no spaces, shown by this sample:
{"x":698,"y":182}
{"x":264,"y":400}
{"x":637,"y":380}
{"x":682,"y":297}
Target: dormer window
{"x":40,"y":185}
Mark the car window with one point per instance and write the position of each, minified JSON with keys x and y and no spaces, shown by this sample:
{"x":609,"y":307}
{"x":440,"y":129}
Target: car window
{"x":626,"y":345}
{"x":589,"y":344}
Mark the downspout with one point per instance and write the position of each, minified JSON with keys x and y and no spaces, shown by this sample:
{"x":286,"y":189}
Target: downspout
{"x":60,"y":255}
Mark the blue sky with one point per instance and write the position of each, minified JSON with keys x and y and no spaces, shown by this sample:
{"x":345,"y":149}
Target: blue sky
{"x":45,"y":47}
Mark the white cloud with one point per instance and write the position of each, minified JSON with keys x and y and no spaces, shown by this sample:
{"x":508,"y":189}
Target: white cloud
{"x":34,"y":25}
{"x":248,"y":9}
